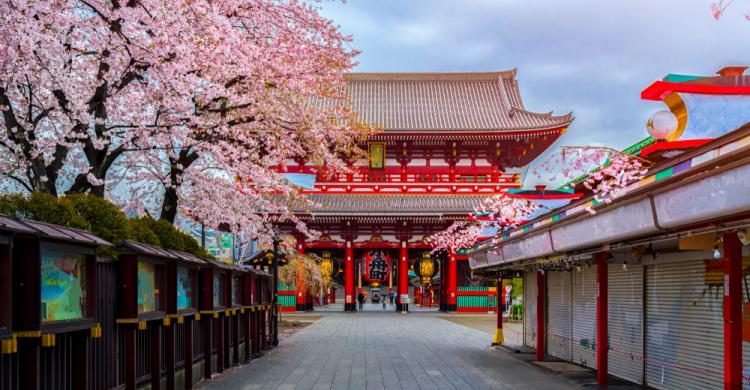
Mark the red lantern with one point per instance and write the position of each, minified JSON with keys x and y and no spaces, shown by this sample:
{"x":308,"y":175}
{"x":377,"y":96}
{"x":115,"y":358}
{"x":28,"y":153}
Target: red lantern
{"x":377,"y":266}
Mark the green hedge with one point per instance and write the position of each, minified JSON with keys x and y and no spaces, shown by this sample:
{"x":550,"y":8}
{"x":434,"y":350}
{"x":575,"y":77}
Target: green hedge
{"x":101,"y":217}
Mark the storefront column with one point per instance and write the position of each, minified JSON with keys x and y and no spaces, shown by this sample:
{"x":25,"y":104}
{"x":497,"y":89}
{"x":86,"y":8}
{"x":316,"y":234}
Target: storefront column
{"x":403,"y":279}
{"x":541,"y":285}
{"x":349,"y":298}
{"x":602,"y":332}
{"x":499,"y":305}
{"x":452,"y":281}
{"x":732,"y":312}
{"x":300,"y":293}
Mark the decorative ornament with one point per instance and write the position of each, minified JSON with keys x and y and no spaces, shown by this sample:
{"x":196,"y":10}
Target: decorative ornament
{"x":662,"y":125}
{"x":426,"y":267}
{"x":329,"y":266}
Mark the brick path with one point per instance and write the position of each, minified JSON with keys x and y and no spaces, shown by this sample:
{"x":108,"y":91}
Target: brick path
{"x":387,"y":351}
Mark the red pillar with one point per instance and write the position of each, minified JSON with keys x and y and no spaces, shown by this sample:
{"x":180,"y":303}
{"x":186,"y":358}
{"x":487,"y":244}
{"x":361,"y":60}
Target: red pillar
{"x":500,"y":304}
{"x":301,"y":294}
{"x":403,"y":278}
{"x":452,"y":289}
{"x":332,"y":293}
{"x":732,"y":312}
{"x":350,"y":299}
{"x":602,"y":319}
{"x":540,"y":310}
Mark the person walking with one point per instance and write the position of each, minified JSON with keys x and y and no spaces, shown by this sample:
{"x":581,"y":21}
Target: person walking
{"x":360,"y":300}
{"x":384,"y":303}
{"x":391,"y":296}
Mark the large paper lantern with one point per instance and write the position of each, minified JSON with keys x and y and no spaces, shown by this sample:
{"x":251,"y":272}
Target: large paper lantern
{"x":377,"y":266}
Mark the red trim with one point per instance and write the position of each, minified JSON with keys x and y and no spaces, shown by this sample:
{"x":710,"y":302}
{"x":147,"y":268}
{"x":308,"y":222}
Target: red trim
{"x":419,"y":245}
{"x":501,"y":133}
{"x":660,"y":89}
{"x":476,"y":293}
{"x":733,"y":276}
{"x":461,"y":309}
{"x":324,"y":245}
{"x":287,"y":309}
{"x":462,"y":257}
{"x":370,"y":245}
{"x":543,"y":197}
{"x":287,"y":292}
{"x":674,"y":145}
{"x":602,"y":335}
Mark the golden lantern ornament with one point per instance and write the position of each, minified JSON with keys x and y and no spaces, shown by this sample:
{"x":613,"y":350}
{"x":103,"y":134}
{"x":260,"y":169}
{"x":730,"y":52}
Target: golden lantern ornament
{"x":426,"y":267}
{"x":329,"y":266}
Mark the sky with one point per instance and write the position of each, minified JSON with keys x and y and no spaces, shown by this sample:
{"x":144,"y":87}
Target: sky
{"x":591,"y":57}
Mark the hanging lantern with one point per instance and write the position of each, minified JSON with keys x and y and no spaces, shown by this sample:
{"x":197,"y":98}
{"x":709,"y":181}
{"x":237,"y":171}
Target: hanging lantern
{"x":426,"y":267}
{"x":377,"y":267}
{"x":329,"y":266}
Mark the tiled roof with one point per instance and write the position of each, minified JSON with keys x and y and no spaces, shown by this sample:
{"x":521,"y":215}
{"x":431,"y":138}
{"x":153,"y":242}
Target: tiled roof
{"x":394,"y":204}
{"x":434,"y":102}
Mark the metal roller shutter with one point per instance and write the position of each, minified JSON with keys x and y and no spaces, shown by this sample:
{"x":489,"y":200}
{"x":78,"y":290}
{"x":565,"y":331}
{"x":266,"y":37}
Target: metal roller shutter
{"x":529,"y":308}
{"x":684,"y":327}
{"x":745,"y":310}
{"x":626,"y":322}
{"x":584,"y":316}
{"x":558,"y":314}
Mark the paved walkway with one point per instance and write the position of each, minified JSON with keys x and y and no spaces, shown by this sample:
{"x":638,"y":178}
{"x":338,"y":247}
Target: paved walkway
{"x":387,"y":351}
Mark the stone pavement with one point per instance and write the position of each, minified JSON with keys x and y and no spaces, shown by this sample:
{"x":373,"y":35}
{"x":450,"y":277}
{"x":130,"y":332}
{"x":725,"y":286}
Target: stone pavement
{"x":387,"y":351}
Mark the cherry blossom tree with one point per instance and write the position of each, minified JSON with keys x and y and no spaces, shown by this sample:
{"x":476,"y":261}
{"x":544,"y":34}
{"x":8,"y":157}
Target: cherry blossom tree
{"x":603,"y":171}
{"x":500,"y":211}
{"x":718,"y":9}
{"x":202,"y":103}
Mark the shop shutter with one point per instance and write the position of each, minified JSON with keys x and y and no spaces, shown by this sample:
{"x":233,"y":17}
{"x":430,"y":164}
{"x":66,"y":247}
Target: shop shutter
{"x":626,"y":322}
{"x":558,"y":314}
{"x":529,"y":308}
{"x":684,"y":326}
{"x":584,"y":316}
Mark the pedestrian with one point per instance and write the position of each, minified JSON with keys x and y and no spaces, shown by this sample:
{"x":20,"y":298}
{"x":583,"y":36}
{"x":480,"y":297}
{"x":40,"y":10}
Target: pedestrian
{"x":384,"y":303}
{"x":361,"y":300}
{"x":391,"y":296}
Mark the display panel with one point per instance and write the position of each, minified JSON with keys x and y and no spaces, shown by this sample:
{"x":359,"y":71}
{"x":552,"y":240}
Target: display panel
{"x":147,"y":291}
{"x":236,"y":292}
{"x":63,"y":286}
{"x":184,"y":288}
{"x":218,"y":293}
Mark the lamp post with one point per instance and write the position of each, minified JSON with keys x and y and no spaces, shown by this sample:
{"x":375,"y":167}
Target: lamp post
{"x":275,"y":295}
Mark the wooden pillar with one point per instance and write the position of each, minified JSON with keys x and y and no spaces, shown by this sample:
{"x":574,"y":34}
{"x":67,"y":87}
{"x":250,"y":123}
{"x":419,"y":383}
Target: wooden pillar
{"x":541,"y":285}
{"x":246,"y":336}
{"x":220,"y":343}
{"x":169,"y":354}
{"x":81,"y":358}
{"x":188,"y":369}
{"x":155,"y":356}
{"x":236,"y":338}
{"x":29,"y":356}
{"x":263,"y":344}
{"x":732,"y":312}
{"x":602,"y":319}
{"x":206,"y":306}
{"x":350,"y":299}
{"x":452,"y":282}
{"x":499,"y":305}
{"x":255,"y":333}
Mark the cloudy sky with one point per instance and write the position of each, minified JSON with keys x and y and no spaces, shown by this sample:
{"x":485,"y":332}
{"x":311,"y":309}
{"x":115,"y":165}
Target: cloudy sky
{"x":591,"y":57}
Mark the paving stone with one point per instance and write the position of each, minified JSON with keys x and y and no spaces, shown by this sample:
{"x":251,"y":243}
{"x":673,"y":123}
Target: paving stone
{"x":387,"y":351}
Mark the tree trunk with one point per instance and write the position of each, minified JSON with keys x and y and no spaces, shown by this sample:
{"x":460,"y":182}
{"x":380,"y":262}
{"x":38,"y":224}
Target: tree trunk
{"x":169,"y":205}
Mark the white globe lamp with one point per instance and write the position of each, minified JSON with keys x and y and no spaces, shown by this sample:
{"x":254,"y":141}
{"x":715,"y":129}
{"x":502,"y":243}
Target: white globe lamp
{"x":661,"y":125}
